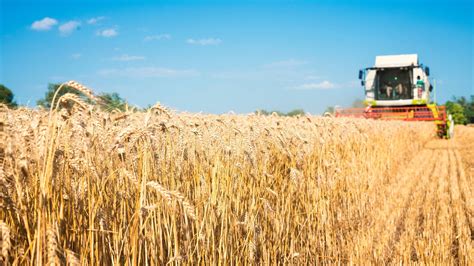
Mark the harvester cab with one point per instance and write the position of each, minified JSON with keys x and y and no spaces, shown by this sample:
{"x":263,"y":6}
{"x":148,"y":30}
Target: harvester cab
{"x":397,"y":87}
{"x":396,"y":80}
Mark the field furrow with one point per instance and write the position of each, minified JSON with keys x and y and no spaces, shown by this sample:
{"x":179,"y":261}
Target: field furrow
{"x":466,"y":194}
{"x":462,"y":227}
{"x":424,"y":242}
{"x":415,"y":217}
{"x":400,"y":244}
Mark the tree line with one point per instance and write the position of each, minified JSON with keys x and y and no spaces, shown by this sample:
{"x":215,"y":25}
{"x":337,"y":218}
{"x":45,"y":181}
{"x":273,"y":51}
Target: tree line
{"x":112,"y":101}
{"x":294,"y":112}
{"x":461,"y":108}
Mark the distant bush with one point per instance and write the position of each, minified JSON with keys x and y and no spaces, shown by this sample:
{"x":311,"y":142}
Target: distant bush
{"x":6,"y":96}
{"x":294,"y":112}
{"x":462,"y":109}
{"x":111,"y":101}
{"x":457,"y":111}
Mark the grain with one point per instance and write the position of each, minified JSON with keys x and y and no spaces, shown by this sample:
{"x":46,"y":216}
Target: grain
{"x":82,"y":186}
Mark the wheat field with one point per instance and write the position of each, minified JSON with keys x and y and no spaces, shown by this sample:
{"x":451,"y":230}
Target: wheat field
{"x":81,"y":186}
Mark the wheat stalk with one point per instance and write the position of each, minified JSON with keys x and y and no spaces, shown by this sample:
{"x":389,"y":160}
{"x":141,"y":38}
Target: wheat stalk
{"x":122,"y":188}
{"x":71,"y":258}
{"x":6,"y":240}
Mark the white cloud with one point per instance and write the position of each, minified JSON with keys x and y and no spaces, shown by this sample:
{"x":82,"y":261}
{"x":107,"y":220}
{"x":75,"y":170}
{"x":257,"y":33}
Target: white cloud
{"x":68,"y":27}
{"x":286,"y":64}
{"x":107,"y":33}
{"x":149,"y":72}
{"x":45,"y":24}
{"x":126,"y":57}
{"x":352,"y":84}
{"x":95,"y":20}
{"x":76,"y":56}
{"x":324,"y":85}
{"x":204,"y":42}
{"x":157,"y":37}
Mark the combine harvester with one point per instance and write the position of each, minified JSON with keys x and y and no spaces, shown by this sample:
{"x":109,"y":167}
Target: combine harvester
{"x":398,"y":88}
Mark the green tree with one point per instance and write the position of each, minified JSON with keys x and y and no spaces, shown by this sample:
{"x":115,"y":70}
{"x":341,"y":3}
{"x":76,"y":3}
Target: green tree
{"x":52,"y":88}
{"x":113,"y":101}
{"x":265,"y":112}
{"x":467,"y":106}
{"x":329,"y":109}
{"x":295,"y":112}
{"x":278,"y":113}
{"x":457,"y":111}
{"x":262,"y":112}
{"x":358,"y":103}
{"x":469,"y":110}
{"x":6,"y":96}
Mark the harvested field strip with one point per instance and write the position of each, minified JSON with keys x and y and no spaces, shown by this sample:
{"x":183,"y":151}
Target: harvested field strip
{"x":424,"y":240}
{"x":467,"y":196}
{"x":391,"y":204}
{"x":410,"y":224}
{"x":423,"y":215}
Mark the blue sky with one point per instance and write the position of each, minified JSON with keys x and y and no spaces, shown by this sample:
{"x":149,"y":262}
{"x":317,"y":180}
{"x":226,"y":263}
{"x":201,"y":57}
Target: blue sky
{"x":220,"y":56}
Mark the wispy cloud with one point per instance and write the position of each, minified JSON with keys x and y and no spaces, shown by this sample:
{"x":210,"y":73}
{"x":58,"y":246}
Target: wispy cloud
{"x":204,"y":42}
{"x":108,"y":33}
{"x":126,"y":57}
{"x":149,"y":72}
{"x":157,"y":37}
{"x":286,"y":63}
{"x":69,"y":27}
{"x":323,"y":85}
{"x":76,"y":56}
{"x":95,"y":20}
{"x":45,"y":24}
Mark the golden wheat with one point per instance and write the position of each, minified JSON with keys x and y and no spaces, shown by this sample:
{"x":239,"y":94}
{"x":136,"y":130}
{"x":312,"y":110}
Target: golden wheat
{"x":82,"y":186}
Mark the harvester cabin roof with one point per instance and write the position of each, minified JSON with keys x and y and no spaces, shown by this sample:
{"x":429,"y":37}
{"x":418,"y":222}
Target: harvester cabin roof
{"x":388,"y":61}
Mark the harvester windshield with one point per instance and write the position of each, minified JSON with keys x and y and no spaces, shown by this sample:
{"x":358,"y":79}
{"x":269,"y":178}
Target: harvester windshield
{"x":393,"y":84}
